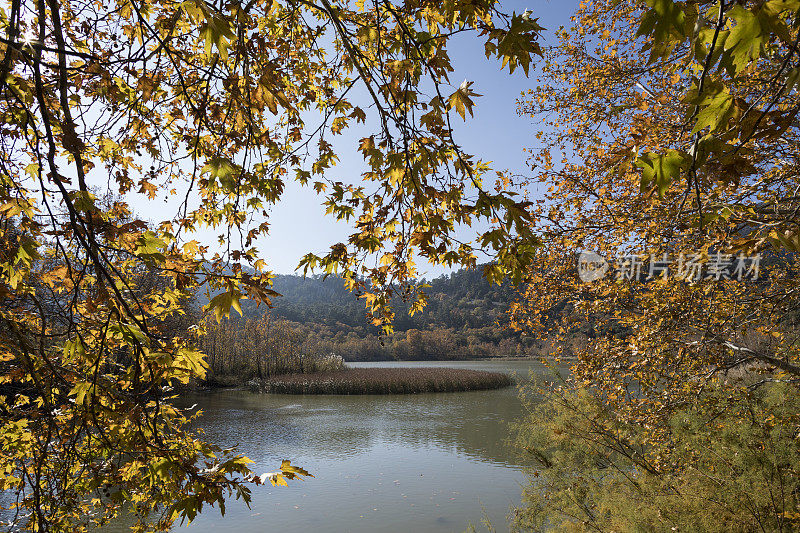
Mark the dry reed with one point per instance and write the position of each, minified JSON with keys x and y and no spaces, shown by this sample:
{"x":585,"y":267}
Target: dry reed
{"x":385,"y":381}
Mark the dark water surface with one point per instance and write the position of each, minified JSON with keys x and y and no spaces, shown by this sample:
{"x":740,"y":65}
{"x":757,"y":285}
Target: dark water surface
{"x":390,"y":463}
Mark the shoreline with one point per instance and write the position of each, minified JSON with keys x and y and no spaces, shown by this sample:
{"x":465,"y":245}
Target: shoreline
{"x":254,"y":383}
{"x":477,"y":359}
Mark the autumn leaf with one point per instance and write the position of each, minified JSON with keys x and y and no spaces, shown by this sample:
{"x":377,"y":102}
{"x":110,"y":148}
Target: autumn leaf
{"x":461,"y":99}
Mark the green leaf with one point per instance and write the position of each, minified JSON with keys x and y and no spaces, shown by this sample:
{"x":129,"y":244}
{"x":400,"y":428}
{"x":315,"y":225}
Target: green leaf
{"x":747,"y":38}
{"x":221,"y":304}
{"x":666,"y":24}
{"x":217,"y":31}
{"x":80,"y":390}
{"x":717,"y":109}
{"x":150,"y":247}
{"x":223,"y":170}
{"x":661,"y":170}
{"x":32,"y":170}
{"x":517,"y":45}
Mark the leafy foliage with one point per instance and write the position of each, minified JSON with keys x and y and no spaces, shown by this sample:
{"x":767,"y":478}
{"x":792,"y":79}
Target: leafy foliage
{"x":732,"y":470}
{"x":670,"y":131}
{"x":655,"y":336}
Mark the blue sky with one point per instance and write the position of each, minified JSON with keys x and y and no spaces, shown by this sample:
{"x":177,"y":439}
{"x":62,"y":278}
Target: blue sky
{"x":496,"y":133}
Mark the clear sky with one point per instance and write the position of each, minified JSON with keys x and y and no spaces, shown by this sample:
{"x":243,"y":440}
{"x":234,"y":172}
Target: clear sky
{"x":496,"y":133}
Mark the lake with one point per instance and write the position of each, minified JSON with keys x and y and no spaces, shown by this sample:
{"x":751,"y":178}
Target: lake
{"x":425,"y":463}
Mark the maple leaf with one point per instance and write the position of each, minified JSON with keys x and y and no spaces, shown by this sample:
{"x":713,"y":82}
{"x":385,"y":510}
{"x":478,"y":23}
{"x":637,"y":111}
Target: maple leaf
{"x":461,"y":99}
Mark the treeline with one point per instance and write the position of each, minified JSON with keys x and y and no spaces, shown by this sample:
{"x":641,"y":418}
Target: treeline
{"x":465,"y":318}
{"x":241,"y":349}
{"x":267,"y":345}
{"x":433,"y":344}
{"x":461,"y":300}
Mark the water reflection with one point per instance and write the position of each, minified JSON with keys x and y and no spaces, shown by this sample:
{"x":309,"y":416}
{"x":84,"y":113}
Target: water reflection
{"x":474,"y":424}
{"x":425,"y":463}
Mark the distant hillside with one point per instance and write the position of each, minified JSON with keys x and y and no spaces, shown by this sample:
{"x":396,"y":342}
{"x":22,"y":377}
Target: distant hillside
{"x":465,"y":318}
{"x":459,"y":300}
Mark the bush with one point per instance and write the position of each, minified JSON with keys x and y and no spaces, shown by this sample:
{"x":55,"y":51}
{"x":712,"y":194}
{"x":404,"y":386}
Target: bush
{"x":730,"y":463}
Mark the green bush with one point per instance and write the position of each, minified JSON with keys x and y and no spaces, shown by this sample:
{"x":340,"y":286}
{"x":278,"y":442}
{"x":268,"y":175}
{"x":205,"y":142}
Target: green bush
{"x":728,"y":463}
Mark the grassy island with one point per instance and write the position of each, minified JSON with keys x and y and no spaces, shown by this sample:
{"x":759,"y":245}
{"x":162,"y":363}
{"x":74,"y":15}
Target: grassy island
{"x":383,"y":381}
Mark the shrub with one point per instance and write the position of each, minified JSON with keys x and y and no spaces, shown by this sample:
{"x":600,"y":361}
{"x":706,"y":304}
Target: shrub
{"x":731,"y":463}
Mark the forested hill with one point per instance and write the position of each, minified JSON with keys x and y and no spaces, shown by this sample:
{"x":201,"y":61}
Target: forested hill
{"x":460,"y":300}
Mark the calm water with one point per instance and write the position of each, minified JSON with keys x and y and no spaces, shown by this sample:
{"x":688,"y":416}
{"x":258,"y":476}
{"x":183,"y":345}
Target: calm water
{"x":395,"y":463}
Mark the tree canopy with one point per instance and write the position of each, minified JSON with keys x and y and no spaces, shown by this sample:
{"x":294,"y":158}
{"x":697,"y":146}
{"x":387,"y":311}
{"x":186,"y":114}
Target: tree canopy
{"x":646,"y":180}
{"x":218,"y":104}
{"x":671,"y":150}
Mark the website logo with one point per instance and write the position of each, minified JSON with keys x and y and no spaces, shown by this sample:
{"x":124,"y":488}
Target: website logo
{"x":591,"y":266}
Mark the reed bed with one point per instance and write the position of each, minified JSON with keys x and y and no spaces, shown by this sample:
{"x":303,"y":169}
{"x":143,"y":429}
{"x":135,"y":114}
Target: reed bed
{"x":385,"y":381}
